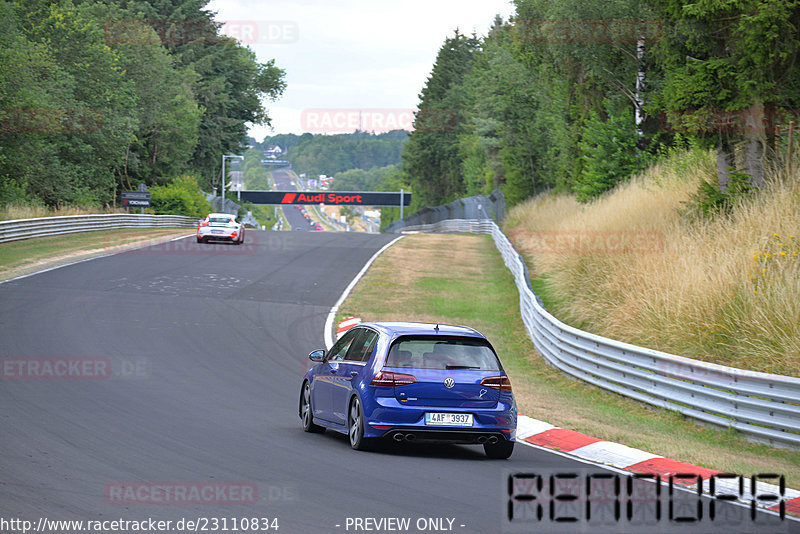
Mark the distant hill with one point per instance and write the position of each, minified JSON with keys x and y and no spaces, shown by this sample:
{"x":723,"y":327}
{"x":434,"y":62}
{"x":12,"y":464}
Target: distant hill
{"x":331,"y":154}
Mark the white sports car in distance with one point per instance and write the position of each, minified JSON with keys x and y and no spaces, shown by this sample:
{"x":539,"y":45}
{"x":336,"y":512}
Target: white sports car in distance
{"x":220,"y":227}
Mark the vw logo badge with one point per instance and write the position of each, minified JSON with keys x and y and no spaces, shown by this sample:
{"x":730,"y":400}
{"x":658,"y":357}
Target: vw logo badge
{"x":449,"y":382}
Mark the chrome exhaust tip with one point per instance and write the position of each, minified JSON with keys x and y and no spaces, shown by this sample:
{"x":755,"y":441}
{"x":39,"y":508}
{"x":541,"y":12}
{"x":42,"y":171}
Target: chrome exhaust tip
{"x":398,"y":437}
{"x":410,"y":437}
{"x":482,"y":439}
{"x":493,"y":440}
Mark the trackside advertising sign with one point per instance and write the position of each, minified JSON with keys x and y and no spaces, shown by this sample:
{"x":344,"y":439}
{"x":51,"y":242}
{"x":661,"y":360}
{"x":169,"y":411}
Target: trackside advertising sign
{"x":136,"y":199}
{"x":334,"y":198}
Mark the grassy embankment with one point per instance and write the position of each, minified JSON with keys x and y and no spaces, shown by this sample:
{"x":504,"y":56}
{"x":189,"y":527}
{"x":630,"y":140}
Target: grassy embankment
{"x":30,"y":255}
{"x":725,"y":290}
{"x":29,"y":211}
{"x":261,"y":180}
{"x":469,"y":284}
{"x":692,"y":264}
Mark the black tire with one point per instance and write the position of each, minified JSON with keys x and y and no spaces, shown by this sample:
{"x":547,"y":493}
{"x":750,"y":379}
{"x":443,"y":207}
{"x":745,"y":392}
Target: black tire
{"x":500,"y":450}
{"x":306,"y":412}
{"x":355,"y":426}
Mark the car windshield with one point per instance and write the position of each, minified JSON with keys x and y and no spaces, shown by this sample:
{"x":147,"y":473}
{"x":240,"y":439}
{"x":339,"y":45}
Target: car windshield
{"x":436,"y":352}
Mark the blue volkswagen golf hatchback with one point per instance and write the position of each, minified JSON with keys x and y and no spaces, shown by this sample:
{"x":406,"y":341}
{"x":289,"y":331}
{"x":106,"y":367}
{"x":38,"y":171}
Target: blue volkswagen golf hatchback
{"x":411,"y":382}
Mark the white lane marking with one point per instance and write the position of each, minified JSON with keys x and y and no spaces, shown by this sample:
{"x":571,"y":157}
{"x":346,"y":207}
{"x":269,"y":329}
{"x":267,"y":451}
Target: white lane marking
{"x":143,"y":245}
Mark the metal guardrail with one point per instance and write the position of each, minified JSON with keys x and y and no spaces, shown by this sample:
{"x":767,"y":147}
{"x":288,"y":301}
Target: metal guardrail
{"x":765,"y":407}
{"x":492,"y":206}
{"x":328,"y":219}
{"x":50,"y":226}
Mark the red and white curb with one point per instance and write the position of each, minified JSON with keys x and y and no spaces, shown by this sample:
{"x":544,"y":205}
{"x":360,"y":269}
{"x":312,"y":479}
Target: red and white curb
{"x":535,"y":432}
{"x":346,"y":325}
{"x":540,"y":434}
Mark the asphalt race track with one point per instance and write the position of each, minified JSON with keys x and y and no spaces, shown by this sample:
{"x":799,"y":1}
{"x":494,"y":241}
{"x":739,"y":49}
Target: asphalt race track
{"x":283,"y":181}
{"x":208,"y":344}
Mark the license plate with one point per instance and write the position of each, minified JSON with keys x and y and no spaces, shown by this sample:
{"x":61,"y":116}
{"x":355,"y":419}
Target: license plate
{"x":217,"y":231}
{"x":448,"y":419}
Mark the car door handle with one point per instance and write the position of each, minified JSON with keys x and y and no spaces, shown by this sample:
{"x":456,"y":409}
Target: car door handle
{"x":333,"y":371}
{"x":353,"y":374}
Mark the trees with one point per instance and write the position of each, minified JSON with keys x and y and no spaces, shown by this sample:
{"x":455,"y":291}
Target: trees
{"x":230,"y":85}
{"x":546,"y":99}
{"x":585,"y":57}
{"x":71,"y":105}
{"x":32,"y":89}
{"x":502,"y":144}
{"x":98,"y":95}
{"x":431,"y":161}
{"x":182,"y":196}
{"x":608,"y":149}
{"x":730,"y":76}
{"x":255,"y":175}
{"x":330,"y":154}
{"x":166,"y":116}
{"x":374,"y":179}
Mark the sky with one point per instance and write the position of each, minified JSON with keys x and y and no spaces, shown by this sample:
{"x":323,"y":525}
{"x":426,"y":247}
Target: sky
{"x":350,"y":63}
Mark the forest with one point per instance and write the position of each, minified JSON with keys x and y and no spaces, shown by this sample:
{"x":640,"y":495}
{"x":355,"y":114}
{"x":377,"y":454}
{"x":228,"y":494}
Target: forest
{"x":329,"y":154}
{"x":579,"y":95}
{"x":98,"y":96}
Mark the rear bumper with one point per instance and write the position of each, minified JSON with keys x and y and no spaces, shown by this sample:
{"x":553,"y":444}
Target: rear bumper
{"x":215,"y":237}
{"x":470,"y":437}
{"x":385,"y":417}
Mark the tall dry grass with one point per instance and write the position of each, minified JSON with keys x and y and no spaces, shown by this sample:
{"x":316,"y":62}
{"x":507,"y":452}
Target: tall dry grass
{"x":725,"y":290}
{"x":29,"y":211}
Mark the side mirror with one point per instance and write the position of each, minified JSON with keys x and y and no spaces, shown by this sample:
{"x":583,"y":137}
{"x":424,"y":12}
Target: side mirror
{"x":317,"y":356}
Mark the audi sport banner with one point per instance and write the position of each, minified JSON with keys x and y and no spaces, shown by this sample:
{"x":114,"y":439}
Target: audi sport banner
{"x":335,"y":198}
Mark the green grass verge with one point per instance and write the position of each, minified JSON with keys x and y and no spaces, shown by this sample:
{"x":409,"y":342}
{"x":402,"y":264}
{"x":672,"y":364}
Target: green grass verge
{"x":30,"y":255}
{"x":542,"y":287}
{"x":462,"y":280}
{"x":265,"y":214}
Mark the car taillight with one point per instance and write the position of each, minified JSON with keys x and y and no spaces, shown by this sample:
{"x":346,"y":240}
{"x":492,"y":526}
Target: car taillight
{"x":388,"y":379}
{"x":500,"y":383}
{"x":233,"y":234}
{"x":203,"y":223}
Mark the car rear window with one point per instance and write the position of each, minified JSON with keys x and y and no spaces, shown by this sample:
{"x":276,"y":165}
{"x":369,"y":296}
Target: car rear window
{"x":224,"y":220}
{"x":437,"y":352}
